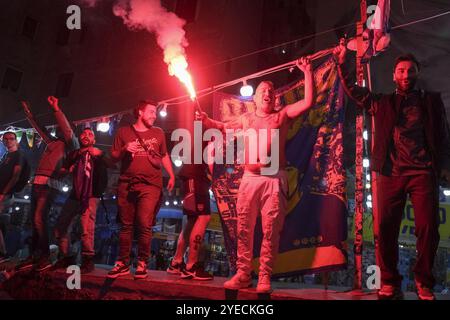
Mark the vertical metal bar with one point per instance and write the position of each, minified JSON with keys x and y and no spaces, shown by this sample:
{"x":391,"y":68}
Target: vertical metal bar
{"x":359,"y":191}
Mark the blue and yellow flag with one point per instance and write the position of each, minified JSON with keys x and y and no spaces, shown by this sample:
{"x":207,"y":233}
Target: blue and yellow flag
{"x":315,"y":229}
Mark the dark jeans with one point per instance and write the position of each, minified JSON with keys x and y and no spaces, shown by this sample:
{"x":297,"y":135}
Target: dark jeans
{"x":70,"y":210}
{"x":42,"y":197}
{"x":137,"y":208}
{"x":392,"y":194}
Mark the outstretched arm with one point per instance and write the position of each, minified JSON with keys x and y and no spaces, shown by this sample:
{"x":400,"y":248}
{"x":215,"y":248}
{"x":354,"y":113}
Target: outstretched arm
{"x":361,"y":95}
{"x":222,"y":126}
{"x":99,"y":154}
{"x":40,"y":130}
{"x":295,"y":109}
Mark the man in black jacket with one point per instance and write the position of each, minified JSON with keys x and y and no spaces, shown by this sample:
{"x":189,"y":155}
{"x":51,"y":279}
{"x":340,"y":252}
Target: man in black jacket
{"x":88,"y":166}
{"x":411,"y":152}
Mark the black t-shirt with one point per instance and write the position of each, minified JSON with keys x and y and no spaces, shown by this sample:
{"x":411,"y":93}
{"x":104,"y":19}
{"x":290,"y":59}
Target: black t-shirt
{"x":409,"y":153}
{"x":7,"y":164}
{"x":138,"y":167}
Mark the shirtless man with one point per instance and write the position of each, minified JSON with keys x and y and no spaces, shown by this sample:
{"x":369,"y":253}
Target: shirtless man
{"x":264,"y":186}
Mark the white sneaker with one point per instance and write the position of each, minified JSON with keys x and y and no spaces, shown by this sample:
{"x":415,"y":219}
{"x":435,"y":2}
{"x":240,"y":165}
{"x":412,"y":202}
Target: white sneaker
{"x":264,"y":285}
{"x":390,"y":292}
{"x":239,"y":281}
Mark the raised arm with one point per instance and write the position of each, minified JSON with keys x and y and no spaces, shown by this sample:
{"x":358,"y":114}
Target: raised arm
{"x":40,"y":130}
{"x":361,"y":95}
{"x":295,"y":109}
{"x":69,"y":136}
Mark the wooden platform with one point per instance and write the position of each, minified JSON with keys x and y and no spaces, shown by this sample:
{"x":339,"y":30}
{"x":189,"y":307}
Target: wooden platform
{"x":159,"y":285}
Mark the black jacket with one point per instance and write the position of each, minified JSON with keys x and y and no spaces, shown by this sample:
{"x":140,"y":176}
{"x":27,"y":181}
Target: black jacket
{"x":382,"y":107}
{"x":99,"y":176}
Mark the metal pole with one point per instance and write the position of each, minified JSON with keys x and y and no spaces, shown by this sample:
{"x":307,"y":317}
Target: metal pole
{"x":373,"y":181}
{"x":359,"y":191}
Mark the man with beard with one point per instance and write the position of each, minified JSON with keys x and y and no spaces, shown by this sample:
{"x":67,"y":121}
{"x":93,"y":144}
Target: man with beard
{"x":88,"y":166}
{"x":142,"y":150}
{"x":411,"y":152}
{"x":264,"y":185}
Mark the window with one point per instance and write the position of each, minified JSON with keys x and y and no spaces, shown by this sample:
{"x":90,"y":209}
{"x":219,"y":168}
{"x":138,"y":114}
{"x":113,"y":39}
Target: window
{"x":11,"y":79}
{"x":29,"y":27}
{"x":64,"y":84}
{"x":186,"y":9}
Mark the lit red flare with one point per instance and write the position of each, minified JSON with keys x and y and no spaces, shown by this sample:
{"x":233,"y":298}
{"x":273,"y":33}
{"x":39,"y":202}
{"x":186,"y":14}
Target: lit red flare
{"x":178,"y":67}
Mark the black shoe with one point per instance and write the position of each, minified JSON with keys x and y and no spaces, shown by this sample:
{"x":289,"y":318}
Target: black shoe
{"x":87,"y":264}
{"x":64,"y":263}
{"x":42,"y":265}
{"x":176,"y":268}
{"x":197,"y":273}
{"x":141,"y":270}
{"x":119,"y":269}
{"x":390,"y":292}
{"x":424,"y":292}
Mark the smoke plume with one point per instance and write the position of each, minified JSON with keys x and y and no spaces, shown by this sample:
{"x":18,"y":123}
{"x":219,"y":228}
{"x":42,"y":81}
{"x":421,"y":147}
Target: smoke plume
{"x":151,"y":16}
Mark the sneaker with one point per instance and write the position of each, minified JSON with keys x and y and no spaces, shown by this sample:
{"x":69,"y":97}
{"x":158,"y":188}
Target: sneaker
{"x":87,"y":264}
{"x":390,"y":292}
{"x":239,"y":281}
{"x":424,"y":292}
{"x":264,"y":285}
{"x":42,"y":265}
{"x":119,"y":269}
{"x":196,"y":272}
{"x":64,"y":262}
{"x":176,"y":268}
{"x":141,"y":270}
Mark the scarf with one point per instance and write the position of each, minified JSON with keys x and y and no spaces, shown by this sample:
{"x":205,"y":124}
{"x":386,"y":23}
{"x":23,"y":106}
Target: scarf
{"x":82,"y":178}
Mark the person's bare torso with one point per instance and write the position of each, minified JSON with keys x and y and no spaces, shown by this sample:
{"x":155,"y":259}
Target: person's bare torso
{"x":274,"y":123}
